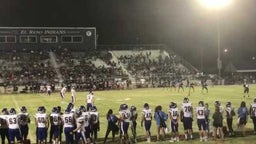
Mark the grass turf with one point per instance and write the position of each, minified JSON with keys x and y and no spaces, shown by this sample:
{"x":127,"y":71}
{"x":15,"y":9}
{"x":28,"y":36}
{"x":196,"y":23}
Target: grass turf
{"x":105,"y":100}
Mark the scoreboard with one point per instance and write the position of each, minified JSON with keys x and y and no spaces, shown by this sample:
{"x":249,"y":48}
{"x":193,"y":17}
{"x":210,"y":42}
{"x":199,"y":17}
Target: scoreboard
{"x":75,"y":38}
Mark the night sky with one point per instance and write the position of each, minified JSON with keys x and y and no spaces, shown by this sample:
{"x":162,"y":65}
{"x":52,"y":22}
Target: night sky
{"x":184,"y":25}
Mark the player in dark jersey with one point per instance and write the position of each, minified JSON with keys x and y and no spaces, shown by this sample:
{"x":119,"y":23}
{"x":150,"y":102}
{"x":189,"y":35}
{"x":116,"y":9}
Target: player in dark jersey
{"x":230,"y":113}
{"x":134,"y":116}
{"x":246,"y":89}
{"x":112,"y":120}
{"x":173,"y":85}
{"x":94,"y":123}
{"x":24,"y":120}
{"x":204,"y":86}
{"x":60,"y":124}
{"x":191,"y":86}
{"x":180,"y":86}
{"x":4,"y":126}
{"x":55,"y":121}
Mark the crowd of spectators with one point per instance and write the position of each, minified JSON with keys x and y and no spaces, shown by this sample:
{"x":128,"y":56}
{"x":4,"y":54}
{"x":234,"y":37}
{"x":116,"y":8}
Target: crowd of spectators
{"x":154,"y":70}
{"x":34,"y":69}
{"x":24,"y":67}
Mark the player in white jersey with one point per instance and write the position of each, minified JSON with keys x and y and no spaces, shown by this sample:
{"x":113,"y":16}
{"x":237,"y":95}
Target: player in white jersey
{"x":24,"y":120}
{"x":201,"y":120}
{"x":73,"y":95}
{"x":42,"y":122}
{"x":252,"y":112}
{"x":62,"y":92}
{"x":147,"y":120}
{"x":124,"y":116}
{"x":174,"y":118}
{"x":48,"y":89}
{"x":187,"y":117}
{"x":13,"y":125}
{"x":4,"y":125}
{"x":95,"y":123}
{"x":71,"y":107}
{"x":68,"y":120}
{"x":55,"y":121}
{"x":87,"y":125}
{"x":79,"y":131}
{"x":90,"y":100}
{"x":230,"y":113}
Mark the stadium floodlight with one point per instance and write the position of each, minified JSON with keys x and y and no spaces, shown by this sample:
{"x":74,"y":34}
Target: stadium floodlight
{"x":215,"y":4}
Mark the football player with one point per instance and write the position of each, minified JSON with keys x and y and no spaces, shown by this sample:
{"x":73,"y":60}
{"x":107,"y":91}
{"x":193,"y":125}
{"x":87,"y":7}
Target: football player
{"x":61,"y":123}
{"x":79,"y":131}
{"x":69,"y":124}
{"x":87,"y":125}
{"x":24,"y":120}
{"x":90,"y":100}
{"x":181,"y":86}
{"x":55,"y":121}
{"x":191,"y":86}
{"x":124,"y":116}
{"x":4,"y":126}
{"x":204,"y":86}
{"x":230,"y":113}
{"x":174,"y":117}
{"x":73,"y":95}
{"x":187,"y":117}
{"x":252,"y":112}
{"x":134,"y":116}
{"x":147,"y":120}
{"x":173,"y":85}
{"x":201,"y":120}
{"x":218,"y":104}
{"x":71,"y":107}
{"x":62,"y":92}
{"x":174,"y":124}
{"x":207,"y":118}
{"x":246,"y":89}
{"x":48,"y":89}
{"x":42,"y":123}
{"x":94,"y":122}
{"x":13,"y":125}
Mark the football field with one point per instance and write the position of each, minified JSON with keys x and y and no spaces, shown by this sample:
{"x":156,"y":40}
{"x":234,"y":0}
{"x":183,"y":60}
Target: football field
{"x":105,"y":100}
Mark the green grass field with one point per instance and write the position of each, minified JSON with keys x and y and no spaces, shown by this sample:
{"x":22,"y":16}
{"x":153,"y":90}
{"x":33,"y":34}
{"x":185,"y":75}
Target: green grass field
{"x":158,"y":96}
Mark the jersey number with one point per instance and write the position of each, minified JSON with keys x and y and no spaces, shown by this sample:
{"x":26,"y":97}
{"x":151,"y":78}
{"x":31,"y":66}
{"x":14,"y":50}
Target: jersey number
{"x":68,"y":119}
{"x":40,"y":119}
{"x":200,"y":112}
{"x":187,"y":108}
{"x":12,"y":121}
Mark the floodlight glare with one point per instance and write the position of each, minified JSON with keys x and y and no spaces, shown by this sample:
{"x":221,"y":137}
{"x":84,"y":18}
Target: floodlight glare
{"x":215,"y":4}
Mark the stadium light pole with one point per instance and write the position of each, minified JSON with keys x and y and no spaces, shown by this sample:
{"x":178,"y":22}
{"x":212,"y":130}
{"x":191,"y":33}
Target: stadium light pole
{"x":217,"y":5}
